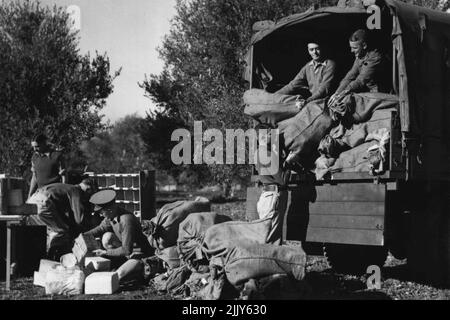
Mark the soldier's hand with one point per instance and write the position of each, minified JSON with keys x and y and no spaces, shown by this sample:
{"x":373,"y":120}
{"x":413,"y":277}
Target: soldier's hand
{"x":99,"y":252}
{"x":333,"y":99}
{"x":300,"y":103}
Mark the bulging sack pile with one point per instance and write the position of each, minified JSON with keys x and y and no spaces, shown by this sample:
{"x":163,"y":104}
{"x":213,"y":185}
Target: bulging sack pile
{"x":303,"y":132}
{"x":330,"y":135}
{"x":215,"y":256}
{"x":170,"y":257}
{"x":360,"y":148}
{"x":192,"y":233}
{"x":164,"y":227}
{"x":249,"y":260}
{"x":221,"y":237}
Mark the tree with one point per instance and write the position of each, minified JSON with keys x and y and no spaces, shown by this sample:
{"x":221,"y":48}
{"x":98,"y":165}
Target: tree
{"x":204,"y":55}
{"x":46,"y":85}
{"x":118,"y":149}
{"x":431,"y":4}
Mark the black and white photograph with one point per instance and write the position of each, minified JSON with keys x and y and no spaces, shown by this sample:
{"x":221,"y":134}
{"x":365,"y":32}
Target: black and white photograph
{"x":224,"y":155}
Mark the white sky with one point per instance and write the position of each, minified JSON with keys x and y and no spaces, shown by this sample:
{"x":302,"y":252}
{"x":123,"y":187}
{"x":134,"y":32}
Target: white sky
{"x":129,"y":31}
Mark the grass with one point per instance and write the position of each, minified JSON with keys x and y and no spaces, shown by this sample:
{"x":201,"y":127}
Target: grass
{"x":323,"y":282}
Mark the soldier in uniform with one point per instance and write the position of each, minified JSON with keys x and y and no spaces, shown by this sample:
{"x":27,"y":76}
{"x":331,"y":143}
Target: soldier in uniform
{"x":47,"y":164}
{"x":315,"y":79}
{"x":368,"y":71}
{"x":119,"y":230}
{"x":65,"y":212}
{"x":272,"y":179}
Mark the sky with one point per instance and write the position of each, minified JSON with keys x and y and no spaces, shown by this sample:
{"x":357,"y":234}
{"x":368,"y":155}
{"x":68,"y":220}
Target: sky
{"x":129,"y":31}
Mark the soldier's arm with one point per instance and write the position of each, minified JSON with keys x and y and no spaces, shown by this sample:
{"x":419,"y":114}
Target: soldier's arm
{"x":128,"y":230}
{"x":33,"y":182}
{"x":349,"y":77}
{"x":100,"y":229}
{"x":366,"y":75}
{"x":62,"y":169}
{"x":77,"y":206}
{"x":299,"y":82}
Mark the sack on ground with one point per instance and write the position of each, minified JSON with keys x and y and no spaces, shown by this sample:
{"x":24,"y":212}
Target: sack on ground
{"x":177,"y":278}
{"x":159,"y":282}
{"x":220,"y":237}
{"x":215,"y":289}
{"x":164,"y":227}
{"x":170,"y":256}
{"x":192,"y":232}
{"x":252,"y":261}
{"x":153,"y":266}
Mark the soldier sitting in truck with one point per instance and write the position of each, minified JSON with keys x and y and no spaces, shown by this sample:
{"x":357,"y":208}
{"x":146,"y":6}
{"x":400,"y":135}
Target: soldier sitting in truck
{"x":315,"y":79}
{"x":368,"y":71}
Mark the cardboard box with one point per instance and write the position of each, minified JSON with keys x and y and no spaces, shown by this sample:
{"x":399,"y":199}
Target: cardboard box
{"x":97,"y":263}
{"x":83,"y":246}
{"x":101,"y":283}
{"x":39,"y":278}
{"x":47,"y":265}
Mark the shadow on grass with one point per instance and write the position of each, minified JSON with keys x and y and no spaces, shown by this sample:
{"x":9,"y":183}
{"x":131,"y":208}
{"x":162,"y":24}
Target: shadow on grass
{"x":327,"y":285}
{"x":402,"y":273}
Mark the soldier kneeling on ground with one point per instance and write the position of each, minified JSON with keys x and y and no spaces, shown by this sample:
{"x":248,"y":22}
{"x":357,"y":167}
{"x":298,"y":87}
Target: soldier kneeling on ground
{"x":119,"y":231}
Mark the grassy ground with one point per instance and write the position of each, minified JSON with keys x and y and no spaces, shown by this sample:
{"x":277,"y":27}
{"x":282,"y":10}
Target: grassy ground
{"x":322,"y":281}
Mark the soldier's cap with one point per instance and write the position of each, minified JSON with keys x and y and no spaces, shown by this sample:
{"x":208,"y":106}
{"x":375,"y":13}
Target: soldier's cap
{"x":102,"y":199}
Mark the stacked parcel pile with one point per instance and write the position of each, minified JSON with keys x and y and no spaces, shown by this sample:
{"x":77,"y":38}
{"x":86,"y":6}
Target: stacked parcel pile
{"x":78,"y":272}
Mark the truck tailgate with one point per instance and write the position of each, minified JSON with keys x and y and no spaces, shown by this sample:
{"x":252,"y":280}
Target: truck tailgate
{"x":351,"y":213}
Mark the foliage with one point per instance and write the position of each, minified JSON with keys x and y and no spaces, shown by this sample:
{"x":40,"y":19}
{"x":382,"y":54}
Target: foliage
{"x":204,"y":56}
{"x":118,"y":149}
{"x":46,"y":85}
{"x":431,"y":4}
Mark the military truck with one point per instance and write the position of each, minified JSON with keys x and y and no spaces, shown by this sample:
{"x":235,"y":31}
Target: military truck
{"x":357,"y":217}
